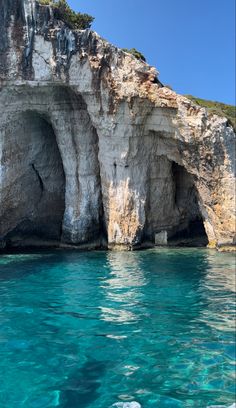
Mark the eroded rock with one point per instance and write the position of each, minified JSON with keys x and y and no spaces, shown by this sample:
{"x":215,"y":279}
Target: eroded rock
{"x":94,"y":148}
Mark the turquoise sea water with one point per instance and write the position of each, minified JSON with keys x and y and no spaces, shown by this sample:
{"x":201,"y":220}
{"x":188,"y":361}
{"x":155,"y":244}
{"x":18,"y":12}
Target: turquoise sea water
{"x":89,"y":329}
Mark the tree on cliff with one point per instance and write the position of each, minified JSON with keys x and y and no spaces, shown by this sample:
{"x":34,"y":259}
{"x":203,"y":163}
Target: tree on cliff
{"x":62,"y":11}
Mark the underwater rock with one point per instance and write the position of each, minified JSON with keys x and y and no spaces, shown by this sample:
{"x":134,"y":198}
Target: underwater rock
{"x":132,"y":404}
{"x":222,"y":406}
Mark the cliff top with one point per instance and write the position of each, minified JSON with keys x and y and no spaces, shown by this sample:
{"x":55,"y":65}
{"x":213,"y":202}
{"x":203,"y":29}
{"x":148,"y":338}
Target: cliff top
{"x":24,"y":22}
{"x":217,"y":108}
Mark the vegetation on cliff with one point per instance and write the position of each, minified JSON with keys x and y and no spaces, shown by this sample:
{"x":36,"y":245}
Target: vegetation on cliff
{"x":62,"y":11}
{"x":137,"y":54}
{"x":218,"y":108}
{"x":79,"y":21}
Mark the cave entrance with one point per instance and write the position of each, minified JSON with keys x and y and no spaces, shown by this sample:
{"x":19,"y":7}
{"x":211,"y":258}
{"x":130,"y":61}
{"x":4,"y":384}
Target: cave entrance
{"x":37,"y":193}
{"x":190,"y":230}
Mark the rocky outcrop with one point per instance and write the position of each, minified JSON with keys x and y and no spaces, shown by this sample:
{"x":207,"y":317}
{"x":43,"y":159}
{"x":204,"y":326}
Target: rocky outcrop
{"x":94,"y":149}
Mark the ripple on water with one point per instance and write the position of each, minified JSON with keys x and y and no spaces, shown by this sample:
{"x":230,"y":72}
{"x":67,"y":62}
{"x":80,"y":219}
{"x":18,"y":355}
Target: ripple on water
{"x":103,"y":329}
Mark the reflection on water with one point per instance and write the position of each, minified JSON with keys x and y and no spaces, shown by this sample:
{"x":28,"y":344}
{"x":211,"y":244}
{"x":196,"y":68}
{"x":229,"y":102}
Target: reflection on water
{"x":125,"y":272}
{"x":92,"y":329}
{"x":216,"y":287}
{"x":117,"y":315}
{"x":122,"y":287}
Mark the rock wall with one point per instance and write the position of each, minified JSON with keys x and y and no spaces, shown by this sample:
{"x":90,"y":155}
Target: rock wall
{"x":95,"y":150}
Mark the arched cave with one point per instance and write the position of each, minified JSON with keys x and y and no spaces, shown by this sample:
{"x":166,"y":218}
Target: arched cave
{"x":173,"y":216}
{"x":39,"y":184}
{"x":190,"y":229}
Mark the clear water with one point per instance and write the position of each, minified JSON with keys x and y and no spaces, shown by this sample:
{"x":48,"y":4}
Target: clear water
{"x":92,"y":329}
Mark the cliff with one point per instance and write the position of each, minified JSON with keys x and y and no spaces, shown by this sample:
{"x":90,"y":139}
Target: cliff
{"x":94,"y":149}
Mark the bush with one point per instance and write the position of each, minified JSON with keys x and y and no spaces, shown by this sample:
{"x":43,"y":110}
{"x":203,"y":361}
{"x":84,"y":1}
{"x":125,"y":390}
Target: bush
{"x":45,"y":2}
{"x":135,"y":53}
{"x":62,"y":11}
{"x":218,"y":108}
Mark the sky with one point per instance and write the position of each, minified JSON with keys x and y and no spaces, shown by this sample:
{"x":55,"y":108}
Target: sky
{"x":190,"y":42}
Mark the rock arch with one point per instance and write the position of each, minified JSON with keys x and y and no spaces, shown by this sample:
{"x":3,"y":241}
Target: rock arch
{"x":39,"y":115}
{"x":173,"y":194}
{"x":173,"y":205}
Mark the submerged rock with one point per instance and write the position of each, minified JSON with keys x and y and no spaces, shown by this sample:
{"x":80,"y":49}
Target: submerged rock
{"x":132,"y":404}
{"x":95,"y":150}
{"x":222,"y":406}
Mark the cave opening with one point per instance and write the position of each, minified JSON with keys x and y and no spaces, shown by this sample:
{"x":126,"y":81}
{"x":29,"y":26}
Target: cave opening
{"x":37,"y":195}
{"x":190,"y":230}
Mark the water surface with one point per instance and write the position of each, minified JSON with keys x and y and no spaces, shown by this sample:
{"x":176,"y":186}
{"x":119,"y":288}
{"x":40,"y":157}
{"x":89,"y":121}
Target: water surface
{"x":89,"y":329}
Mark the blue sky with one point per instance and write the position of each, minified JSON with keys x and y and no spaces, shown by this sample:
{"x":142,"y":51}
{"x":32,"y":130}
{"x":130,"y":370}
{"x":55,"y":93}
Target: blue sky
{"x":190,"y":42}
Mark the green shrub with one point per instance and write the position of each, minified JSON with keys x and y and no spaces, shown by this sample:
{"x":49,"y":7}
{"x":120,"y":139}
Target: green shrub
{"x":135,"y":53}
{"x":218,"y":108}
{"x":62,"y":11}
{"x":44,"y":2}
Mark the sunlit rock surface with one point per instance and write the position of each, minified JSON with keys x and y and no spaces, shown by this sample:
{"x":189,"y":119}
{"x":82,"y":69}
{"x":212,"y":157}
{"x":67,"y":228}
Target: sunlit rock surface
{"x":95,"y":151}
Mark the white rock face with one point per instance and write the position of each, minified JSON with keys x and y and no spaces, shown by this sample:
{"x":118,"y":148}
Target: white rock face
{"x":94,"y":149}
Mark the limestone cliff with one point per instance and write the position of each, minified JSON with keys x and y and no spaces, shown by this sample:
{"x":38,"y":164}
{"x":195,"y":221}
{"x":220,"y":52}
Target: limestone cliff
{"x":93,"y":148}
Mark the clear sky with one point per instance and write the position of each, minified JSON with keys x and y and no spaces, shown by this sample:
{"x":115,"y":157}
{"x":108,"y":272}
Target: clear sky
{"x":190,"y":42}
